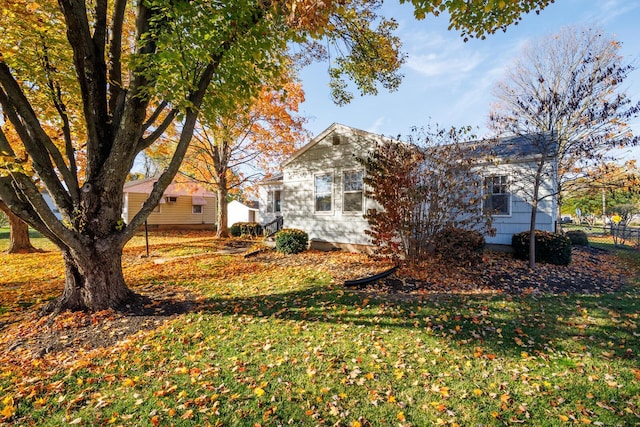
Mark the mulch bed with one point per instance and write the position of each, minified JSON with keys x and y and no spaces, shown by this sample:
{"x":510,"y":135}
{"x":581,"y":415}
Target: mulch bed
{"x":591,"y":271}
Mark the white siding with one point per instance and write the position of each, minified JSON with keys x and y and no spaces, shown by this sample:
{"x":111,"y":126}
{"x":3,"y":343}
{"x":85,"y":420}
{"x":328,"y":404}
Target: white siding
{"x":264,"y":216}
{"x":237,"y":212}
{"x":521,"y":187}
{"x":335,"y":226}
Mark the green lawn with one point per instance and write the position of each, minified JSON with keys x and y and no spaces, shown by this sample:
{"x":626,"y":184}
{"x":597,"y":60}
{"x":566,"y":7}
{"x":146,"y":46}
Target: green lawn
{"x":276,"y":345}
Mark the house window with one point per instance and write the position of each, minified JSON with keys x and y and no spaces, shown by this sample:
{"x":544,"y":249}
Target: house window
{"x":196,"y":209}
{"x":352,"y":194}
{"x":498,"y":201}
{"x":323,"y":192}
{"x":274,"y":201}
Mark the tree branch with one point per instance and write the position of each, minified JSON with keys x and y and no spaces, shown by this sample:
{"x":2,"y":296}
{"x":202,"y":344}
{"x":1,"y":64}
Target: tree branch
{"x":185,"y":138}
{"x":115,"y":59}
{"x":89,"y":62}
{"x":146,"y":141}
{"x":17,"y":109}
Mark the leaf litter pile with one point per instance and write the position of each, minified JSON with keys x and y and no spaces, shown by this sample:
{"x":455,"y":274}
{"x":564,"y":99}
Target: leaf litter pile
{"x":591,"y":271}
{"x":201,"y":278}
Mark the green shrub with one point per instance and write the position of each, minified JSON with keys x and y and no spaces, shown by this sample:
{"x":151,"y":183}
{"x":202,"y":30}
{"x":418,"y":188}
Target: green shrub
{"x":460,"y":246}
{"x":251,"y":229}
{"x":552,"y":248}
{"x":578,"y":237}
{"x":234,"y":230}
{"x":291,"y":241}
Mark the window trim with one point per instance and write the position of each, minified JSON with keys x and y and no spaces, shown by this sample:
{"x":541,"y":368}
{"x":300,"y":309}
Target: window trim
{"x":315,"y":194}
{"x":361,"y":191}
{"x":509,"y":193}
{"x":197,"y":213}
{"x":271,"y":201}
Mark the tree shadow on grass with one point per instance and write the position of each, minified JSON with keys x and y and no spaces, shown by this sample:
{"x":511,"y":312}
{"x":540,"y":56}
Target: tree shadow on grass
{"x":500,"y":325}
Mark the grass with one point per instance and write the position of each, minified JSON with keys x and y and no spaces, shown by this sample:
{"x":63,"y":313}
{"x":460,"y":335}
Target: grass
{"x":287,"y":346}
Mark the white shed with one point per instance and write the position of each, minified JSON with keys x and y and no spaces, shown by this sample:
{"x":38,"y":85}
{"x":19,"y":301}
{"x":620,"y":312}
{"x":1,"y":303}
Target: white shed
{"x":239,"y":212}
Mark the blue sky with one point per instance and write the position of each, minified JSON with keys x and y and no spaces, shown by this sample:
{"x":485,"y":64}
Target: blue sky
{"x":450,"y":82}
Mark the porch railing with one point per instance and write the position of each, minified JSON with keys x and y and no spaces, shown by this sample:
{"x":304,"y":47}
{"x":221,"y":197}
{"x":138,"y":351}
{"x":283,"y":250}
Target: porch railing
{"x":273,"y":227}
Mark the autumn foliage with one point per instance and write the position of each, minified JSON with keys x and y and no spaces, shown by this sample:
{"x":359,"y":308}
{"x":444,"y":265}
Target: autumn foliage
{"x":423,"y":189}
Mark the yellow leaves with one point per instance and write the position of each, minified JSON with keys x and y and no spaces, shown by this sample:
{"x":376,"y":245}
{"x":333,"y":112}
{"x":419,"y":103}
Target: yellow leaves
{"x":477,"y":392}
{"x":444,"y":392}
{"x":129,"y":382}
{"x":9,"y":408}
{"x":401,"y":417}
{"x":258,"y":391}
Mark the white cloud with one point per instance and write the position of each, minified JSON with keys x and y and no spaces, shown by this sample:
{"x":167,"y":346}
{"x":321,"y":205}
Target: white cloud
{"x":377,"y":125}
{"x":610,"y":10}
{"x":453,"y":65}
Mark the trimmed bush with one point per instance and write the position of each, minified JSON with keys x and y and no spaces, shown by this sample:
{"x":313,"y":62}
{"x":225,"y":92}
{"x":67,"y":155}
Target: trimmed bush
{"x":552,"y":248}
{"x":291,"y":241}
{"x":578,"y":237}
{"x":234,"y":230}
{"x":252,"y":229}
{"x":460,"y":246}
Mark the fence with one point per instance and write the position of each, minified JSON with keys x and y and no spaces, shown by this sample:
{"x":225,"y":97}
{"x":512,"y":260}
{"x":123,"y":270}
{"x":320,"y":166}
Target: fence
{"x":622,"y":234}
{"x":625,"y":235}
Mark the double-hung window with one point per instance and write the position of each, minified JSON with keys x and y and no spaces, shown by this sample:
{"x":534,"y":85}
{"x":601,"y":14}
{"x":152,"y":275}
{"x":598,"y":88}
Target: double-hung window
{"x":274,"y":201}
{"x":352,"y":191}
{"x":498,"y":196}
{"x":323,"y":191}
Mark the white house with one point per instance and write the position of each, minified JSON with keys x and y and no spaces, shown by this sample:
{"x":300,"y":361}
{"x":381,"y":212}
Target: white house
{"x":321,"y":190}
{"x":239,"y":212}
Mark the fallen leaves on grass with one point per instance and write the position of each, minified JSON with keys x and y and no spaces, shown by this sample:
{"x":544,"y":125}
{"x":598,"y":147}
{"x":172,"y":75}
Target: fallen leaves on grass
{"x":273,"y":343}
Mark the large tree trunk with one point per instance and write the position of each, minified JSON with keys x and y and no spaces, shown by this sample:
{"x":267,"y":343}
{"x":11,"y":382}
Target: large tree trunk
{"x":94,"y":281}
{"x":223,"y":212}
{"x":19,"y":233}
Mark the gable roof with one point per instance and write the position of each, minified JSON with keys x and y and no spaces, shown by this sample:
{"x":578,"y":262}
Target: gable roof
{"x":515,"y":148}
{"x":339,"y":130}
{"x":176,"y":188}
{"x":249,"y":205}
